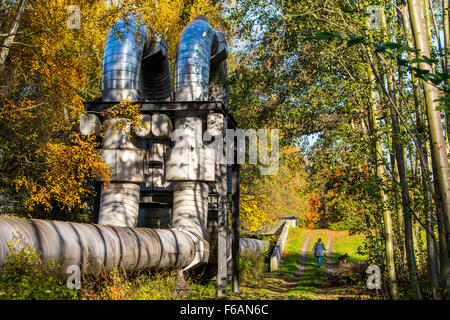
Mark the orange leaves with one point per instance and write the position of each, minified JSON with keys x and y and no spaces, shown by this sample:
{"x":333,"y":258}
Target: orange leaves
{"x":312,"y":214}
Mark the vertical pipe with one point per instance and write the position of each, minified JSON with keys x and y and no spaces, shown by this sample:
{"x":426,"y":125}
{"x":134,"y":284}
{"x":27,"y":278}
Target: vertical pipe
{"x":124,"y":47}
{"x":190,"y":207}
{"x":119,"y":204}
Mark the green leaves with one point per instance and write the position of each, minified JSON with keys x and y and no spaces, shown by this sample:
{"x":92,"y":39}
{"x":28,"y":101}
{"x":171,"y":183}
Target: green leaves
{"x":324,"y":36}
{"x":391,"y":45}
{"x":406,"y":48}
{"x":355,"y":40}
{"x":393,"y":50}
{"x":445,"y":103}
{"x":426,"y":60}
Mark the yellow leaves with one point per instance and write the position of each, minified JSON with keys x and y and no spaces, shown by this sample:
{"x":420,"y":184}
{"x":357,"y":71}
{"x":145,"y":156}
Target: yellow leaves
{"x":264,"y":199}
{"x":69,"y":169}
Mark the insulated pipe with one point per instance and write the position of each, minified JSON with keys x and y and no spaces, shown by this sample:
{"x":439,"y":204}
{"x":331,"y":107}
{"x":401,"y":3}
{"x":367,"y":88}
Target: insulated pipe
{"x":98,"y":247}
{"x":218,"y":89}
{"x":135,"y":65}
{"x":122,"y":60}
{"x":252,"y":245}
{"x":190,"y":207}
{"x":197,"y":43}
{"x":119,"y":204}
{"x":193,"y":60}
{"x":119,"y":201}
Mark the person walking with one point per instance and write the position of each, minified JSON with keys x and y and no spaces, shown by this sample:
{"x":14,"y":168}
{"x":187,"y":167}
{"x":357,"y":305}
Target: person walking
{"x":318,"y":250}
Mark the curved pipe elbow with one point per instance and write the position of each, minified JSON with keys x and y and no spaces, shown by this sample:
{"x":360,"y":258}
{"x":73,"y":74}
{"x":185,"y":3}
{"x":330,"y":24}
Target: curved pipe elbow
{"x":135,"y":64}
{"x":201,"y":50}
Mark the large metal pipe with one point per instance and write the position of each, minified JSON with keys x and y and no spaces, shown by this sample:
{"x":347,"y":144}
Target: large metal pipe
{"x":119,"y":204}
{"x":136,"y":67}
{"x":119,"y":201}
{"x":253,"y":245}
{"x":98,"y":246}
{"x":95,"y":247}
{"x":190,"y":207}
{"x":197,"y":42}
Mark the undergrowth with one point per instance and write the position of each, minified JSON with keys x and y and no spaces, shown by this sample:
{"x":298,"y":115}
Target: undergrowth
{"x":253,"y":264}
{"x":24,"y":276}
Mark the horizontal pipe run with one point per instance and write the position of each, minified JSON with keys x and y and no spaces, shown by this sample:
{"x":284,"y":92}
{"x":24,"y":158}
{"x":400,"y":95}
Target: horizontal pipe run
{"x":254,"y":245}
{"x":98,"y":247}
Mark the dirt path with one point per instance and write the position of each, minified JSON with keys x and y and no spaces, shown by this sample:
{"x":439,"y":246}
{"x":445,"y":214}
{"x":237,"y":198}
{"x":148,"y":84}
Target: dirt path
{"x":330,"y":251}
{"x":293,"y":282}
{"x":303,"y":256}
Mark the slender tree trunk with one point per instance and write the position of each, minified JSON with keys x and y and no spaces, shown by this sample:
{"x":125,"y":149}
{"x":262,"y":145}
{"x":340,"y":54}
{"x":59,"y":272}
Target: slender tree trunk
{"x":406,"y":203}
{"x":432,"y":248}
{"x":397,"y":202}
{"x":398,"y":148}
{"x":12,"y":33}
{"x":398,"y":207}
{"x":387,"y":219}
{"x":417,"y":244}
{"x":446,"y":25}
{"x":440,"y":160}
{"x":443,"y":244}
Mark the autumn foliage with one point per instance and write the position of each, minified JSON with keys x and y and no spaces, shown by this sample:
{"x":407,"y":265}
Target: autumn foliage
{"x":312,"y":214}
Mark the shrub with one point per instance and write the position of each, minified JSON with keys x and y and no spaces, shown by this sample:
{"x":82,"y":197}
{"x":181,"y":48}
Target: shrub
{"x":117,"y":284}
{"x":347,"y":275}
{"x":252,"y":264}
{"x":24,"y":276}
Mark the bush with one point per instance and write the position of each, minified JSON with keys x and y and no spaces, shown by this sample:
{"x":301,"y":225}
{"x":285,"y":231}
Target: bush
{"x":117,"y":284}
{"x":23,"y":276}
{"x":252,"y":264}
{"x":347,"y":275}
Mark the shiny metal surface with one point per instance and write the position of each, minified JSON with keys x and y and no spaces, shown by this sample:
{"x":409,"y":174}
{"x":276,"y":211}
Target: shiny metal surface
{"x":252,"y":244}
{"x":135,"y":64}
{"x":193,"y":60}
{"x":201,"y":67}
{"x":190,"y":207}
{"x":218,"y":89}
{"x":119,"y":205}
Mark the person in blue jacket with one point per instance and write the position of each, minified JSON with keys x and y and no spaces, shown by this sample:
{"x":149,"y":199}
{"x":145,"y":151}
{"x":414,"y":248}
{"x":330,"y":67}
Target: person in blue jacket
{"x":318,"y":250}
